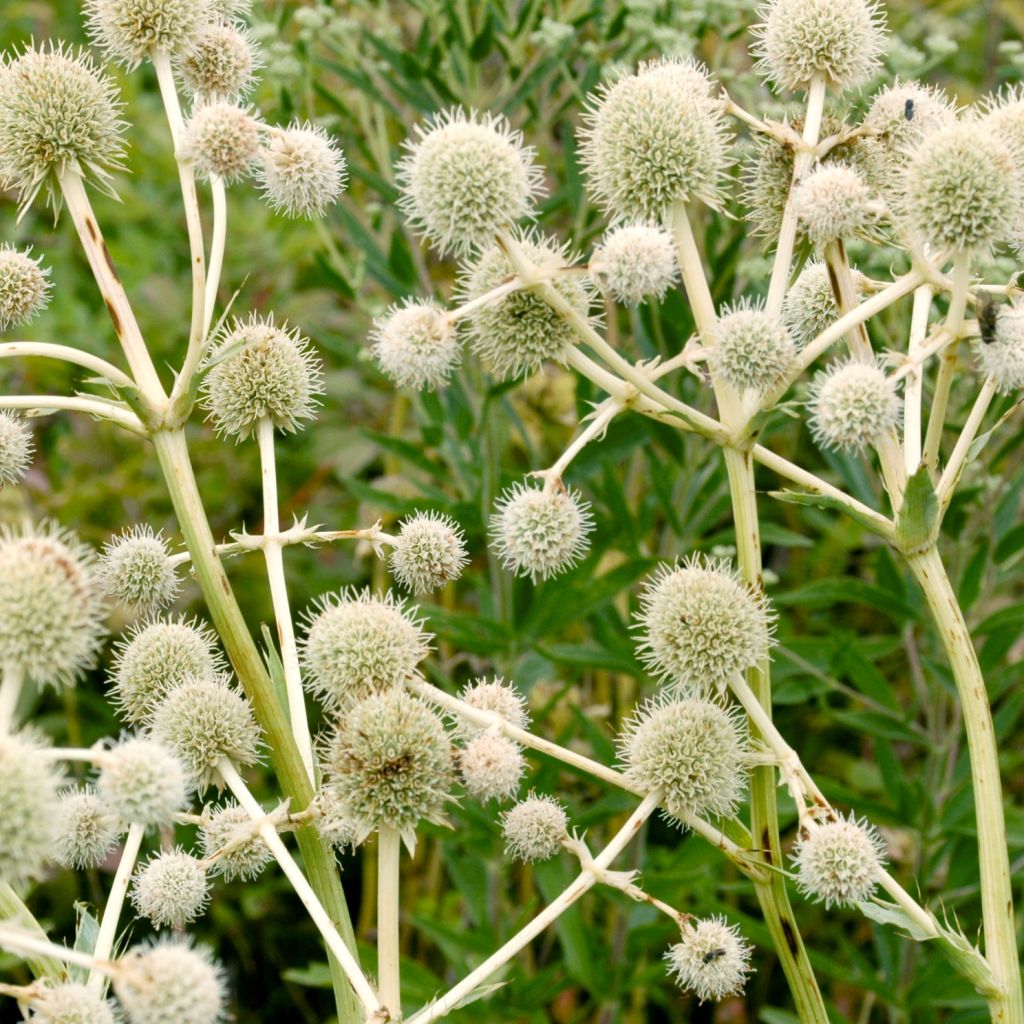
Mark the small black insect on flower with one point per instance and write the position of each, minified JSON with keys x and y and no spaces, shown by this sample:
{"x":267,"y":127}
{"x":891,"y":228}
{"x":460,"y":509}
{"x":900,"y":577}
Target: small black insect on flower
{"x":988,"y":317}
{"x":908,"y":110}
{"x":713,"y":954}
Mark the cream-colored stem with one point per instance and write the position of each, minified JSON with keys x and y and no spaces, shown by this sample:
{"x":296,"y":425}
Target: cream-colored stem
{"x":92,"y":406}
{"x":217,"y":243}
{"x":15,"y":349}
{"x":23,"y":944}
{"x":695,"y":280}
{"x":389,"y":850}
{"x":913,"y":388}
{"x":946,"y":486}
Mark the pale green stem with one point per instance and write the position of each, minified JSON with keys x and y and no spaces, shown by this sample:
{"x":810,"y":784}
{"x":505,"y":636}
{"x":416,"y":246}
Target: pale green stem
{"x":914,"y":386}
{"x":389,"y":851}
{"x":946,"y":486}
{"x":695,"y":280}
{"x":217,"y":243}
{"x":45,"y":350}
{"x":10,"y":693}
{"x":37,"y":405}
{"x":31,"y":947}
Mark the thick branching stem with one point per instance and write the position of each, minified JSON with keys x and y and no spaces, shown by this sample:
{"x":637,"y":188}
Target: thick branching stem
{"x":915,"y":384}
{"x":389,"y":851}
{"x":958,"y":458}
{"x":45,"y":350}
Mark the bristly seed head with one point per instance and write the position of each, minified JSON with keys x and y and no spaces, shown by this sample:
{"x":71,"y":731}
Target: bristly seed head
{"x":171,"y":889}
{"x":86,"y":829}
{"x":853,"y":404}
{"x":535,"y":828}
{"x":416,"y":345}
{"x":24,"y":285}
{"x":429,"y":552}
{"x":750,"y":349}
{"x":221,"y":139}
{"x":839,"y":862}
{"x":492,"y":766}
{"x":301,"y":171}
{"x":712,"y":960}
{"x":136,"y":567}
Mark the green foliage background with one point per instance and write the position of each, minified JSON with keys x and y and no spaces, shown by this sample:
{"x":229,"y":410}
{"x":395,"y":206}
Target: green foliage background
{"x":860,"y":685}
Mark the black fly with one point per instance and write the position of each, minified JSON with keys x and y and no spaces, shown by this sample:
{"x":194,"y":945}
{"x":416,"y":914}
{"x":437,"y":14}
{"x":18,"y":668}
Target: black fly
{"x":908,"y":110}
{"x":988,"y":317}
{"x":713,"y":954}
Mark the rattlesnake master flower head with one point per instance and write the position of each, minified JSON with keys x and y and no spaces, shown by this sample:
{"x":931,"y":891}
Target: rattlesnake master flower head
{"x":712,"y":960}
{"x":465,"y":177}
{"x":86,"y":829}
{"x":491,"y":766}
{"x":51,"y":609}
{"x":358,"y":644}
{"x":700,"y":624}
{"x":128,"y":31}
{"x":29,"y":783}
{"x":16,"y":448}
{"x":416,"y":345}
{"x":170,"y":889}
{"x":24,"y":285}
{"x":429,"y":552}
{"x":635,"y":262}
{"x":518,"y":333}
{"x":70,"y":1003}
{"x":961,"y":190}
{"x":157,"y":656}
{"x":832,"y":203}
{"x":261,"y":370}
{"x":222,"y":829}
{"x":535,"y":828}
{"x":391,"y":765}
{"x":540,"y":533}
{"x":693,"y":749}
{"x":493,"y":695}
{"x":799,"y":39}
{"x":220,"y":63}
{"x":750,"y":349}
{"x":221,"y":139}
{"x":839,"y":862}
{"x":170,"y":982}
{"x":1002,"y":358}
{"x":142,"y":782}
{"x":810,"y":305}
{"x":655,"y":138}
{"x":57,"y":113}
{"x":331,"y":821}
{"x":301,"y":171}
{"x":136,"y":568}
{"x":852,"y":405}
{"x":203,"y":720}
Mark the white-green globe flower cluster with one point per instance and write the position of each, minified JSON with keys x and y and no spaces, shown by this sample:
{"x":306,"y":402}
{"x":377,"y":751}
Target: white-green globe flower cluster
{"x":497,"y":697}
{"x":24,"y":286}
{"x":86,"y":829}
{"x":220,"y":63}
{"x":853,"y":405}
{"x":832,"y":203}
{"x":136,"y":568}
{"x":750,"y":350}
{"x":16,"y":448}
{"x":228,"y":838}
{"x":171,"y":889}
{"x":429,"y":551}
{"x":535,"y":828}
{"x":712,"y":959}
{"x":70,"y":1002}
{"x":810,"y":305}
{"x":839,"y":862}
{"x":491,"y":766}
{"x":635,"y":262}
{"x":171,"y":982}
{"x":416,"y":345}
{"x":1002,"y":357}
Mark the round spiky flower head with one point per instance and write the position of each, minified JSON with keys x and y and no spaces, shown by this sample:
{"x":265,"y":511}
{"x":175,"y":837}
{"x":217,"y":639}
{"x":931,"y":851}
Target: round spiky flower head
{"x":301,"y":171}
{"x":655,"y":138}
{"x":430,"y":551}
{"x":493,"y":695}
{"x":491,"y":766}
{"x":712,"y":960}
{"x":799,"y":39}
{"x":358,"y":644}
{"x":230,"y":828}
{"x":331,"y":821}
{"x":16,"y":447}
{"x":170,"y":983}
{"x":635,"y":262}
{"x":136,"y":567}
{"x":220,"y":63}
{"x":70,"y":1003}
{"x":810,"y":305}
{"x":128,"y":31}
{"x":839,"y":862}
{"x":540,"y":533}
{"x":143,"y":782}
{"x":700,"y":624}
{"x":1002,"y":358}
{"x":694,"y":750}
{"x":853,"y":404}
{"x":391,"y":765}
{"x":464,"y":178}
{"x":86,"y":829}
{"x":203,"y":720}
{"x":832,"y":203}
{"x":416,"y":345}
{"x":29,"y":783}
{"x":534,"y":829}
{"x":960,"y":188}
{"x":24,"y":285}
{"x":51,"y":610}
{"x":170,"y":889}
{"x":222,"y":139}
{"x":259,"y":370}
{"x":518,"y":333}
{"x":750,"y":349}
{"x":57,"y":113}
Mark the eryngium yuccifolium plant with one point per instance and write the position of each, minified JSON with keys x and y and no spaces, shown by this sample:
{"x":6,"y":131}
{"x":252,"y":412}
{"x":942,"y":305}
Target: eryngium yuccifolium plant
{"x":429,"y":551}
{"x":700,"y":624}
{"x":128,"y":31}
{"x":171,"y":889}
{"x":136,"y":568}
{"x":390,"y":764}
{"x":230,"y":829}
{"x":29,"y":783}
{"x":635,"y":262}
{"x":16,"y":448}
{"x":221,"y":139}
{"x":86,"y":829}
{"x":142,"y":782}
{"x":712,"y":960}
{"x":810,"y":305}
{"x":416,"y":345}
{"x":491,"y":766}
{"x":853,"y":404}
{"x":24,"y":286}
{"x":832,"y":203}
{"x":301,"y":171}
{"x":1002,"y":357}
{"x":464,"y":178}
{"x":839,"y":861}
{"x":538,"y":532}
{"x":751,"y":350}
{"x":71,"y":1003}
{"x":496,"y":696}
{"x":220,"y":63}
{"x":170,"y":982}
{"x":358,"y":644}
{"x":51,"y":609}
{"x":535,"y":828}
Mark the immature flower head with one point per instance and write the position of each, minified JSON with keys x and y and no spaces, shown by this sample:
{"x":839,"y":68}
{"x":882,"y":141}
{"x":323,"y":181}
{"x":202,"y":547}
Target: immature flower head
{"x":203,"y":720}
{"x":839,"y":862}
{"x":700,"y":624}
{"x":832,"y":203}
{"x":57,"y":113}
{"x":712,"y":960}
{"x":171,"y":889}
{"x":464,"y":178}
{"x":693,"y":749}
{"x":1002,"y":358}
{"x":158,"y":655}
{"x":230,"y":828}
{"x":86,"y":829}
{"x":799,"y":39}
{"x":540,"y":533}
{"x":29,"y":783}
{"x":127,"y":31}
{"x":534,"y":829}
{"x":70,"y":1003}
{"x":635,"y":262}
{"x":655,"y":138}
{"x":359,"y":644}
{"x":810,"y":305}
{"x":493,"y":695}
{"x":430,"y":551}
{"x":853,"y":404}
{"x":221,"y":139}
{"x":51,"y":609}
{"x":332,"y":822}
{"x":301,"y":171}
{"x":491,"y":766}
{"x":170,"y":983}
{"x":391,"y":764}
{"x":220,"y":63}
{"x":750,"y":349}
{"x":517,"y":334}
{"x":136,"y":568}
{"x":416,"y":345}
{"x":142,"y":782}
{"x":24,"y":284}
{"x":16,"y":447}
{"x":260,"y":370}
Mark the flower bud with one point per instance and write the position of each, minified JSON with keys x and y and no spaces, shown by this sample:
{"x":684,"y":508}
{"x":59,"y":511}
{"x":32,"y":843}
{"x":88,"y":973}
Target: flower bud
{"x":86,"y":830}
{"x":853,"y":404}
{"x":712,"y":960}
{"x":493,"y":695}
{"x":171,"y":889}
{"x":142,"y":782}
{"x":534,"y":829}
{"x":750,"y":349}
{"x":416,"y":345}
{"x":839,"y":862}
{"x":492,"y":766}
{"x":301,"y":171}
{"x":170,"y":983}
{"x":220,"y":63}
{"x":429,"y":552}
{"x":635,"y":262}
{"x":24,"y":286}
{"x":136,"y":568}
{"x":16,"y":447}
{"x":221,"y":139}
{"x":223,"y":828}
